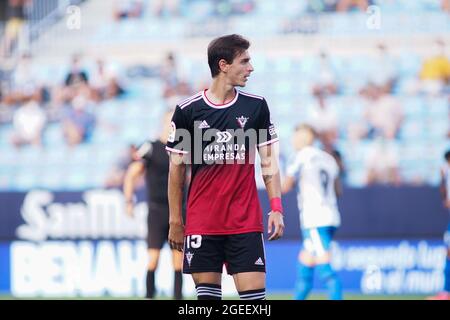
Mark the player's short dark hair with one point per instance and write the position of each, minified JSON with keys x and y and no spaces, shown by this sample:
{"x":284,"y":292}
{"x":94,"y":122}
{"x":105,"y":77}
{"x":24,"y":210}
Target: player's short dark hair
{"x":227,"y":48}
{"x":447,"y":155}
{"x":306,"y":126}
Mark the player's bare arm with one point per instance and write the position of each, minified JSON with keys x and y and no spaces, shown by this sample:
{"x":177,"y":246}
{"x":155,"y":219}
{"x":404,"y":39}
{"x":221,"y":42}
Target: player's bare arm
{"x":338,"y":187}
{"x":288,"y":184}
{"x":271,"y":177}
{"x":177,"y":170}
{"x":134,"y":171}
{"x":443,"y":190}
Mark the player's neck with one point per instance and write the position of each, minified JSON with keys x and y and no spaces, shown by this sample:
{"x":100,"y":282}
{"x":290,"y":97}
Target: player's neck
{"x":163,"y":139}
{"x":220,"y":92}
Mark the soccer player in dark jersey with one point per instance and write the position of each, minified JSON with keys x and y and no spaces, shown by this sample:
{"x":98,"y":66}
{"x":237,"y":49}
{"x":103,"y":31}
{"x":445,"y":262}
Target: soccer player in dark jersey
{"x":218,"y":132}
{"x":155,"y":164}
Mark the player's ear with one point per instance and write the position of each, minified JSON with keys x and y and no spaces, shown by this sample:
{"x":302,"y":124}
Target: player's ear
{"x":223,"y":65}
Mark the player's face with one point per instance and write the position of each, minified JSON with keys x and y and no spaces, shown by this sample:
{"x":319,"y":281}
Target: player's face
{"x":302,"y":138}
{"x":240,"y":69}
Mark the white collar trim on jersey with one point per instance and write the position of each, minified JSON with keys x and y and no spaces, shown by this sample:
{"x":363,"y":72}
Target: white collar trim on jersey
{"x":220,"y":106}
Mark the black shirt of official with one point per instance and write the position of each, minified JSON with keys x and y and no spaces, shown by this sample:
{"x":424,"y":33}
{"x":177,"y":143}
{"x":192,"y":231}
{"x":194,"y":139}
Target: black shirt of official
{"x":156,"y":162}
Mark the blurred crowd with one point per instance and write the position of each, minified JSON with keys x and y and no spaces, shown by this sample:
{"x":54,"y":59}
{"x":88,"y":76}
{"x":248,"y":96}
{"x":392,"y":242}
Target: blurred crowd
{"x":137,"y":9}
{"x":29,"y":104}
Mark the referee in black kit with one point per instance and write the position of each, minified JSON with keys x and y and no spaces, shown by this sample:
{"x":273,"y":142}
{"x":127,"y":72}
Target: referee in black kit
{"x":154,"y":162}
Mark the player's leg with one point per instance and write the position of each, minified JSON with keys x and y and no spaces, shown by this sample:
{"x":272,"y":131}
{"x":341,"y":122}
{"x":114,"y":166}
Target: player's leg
{"x":305,"y":268}
{"x":153,"y":256}
{"x":203,"y":259}
{"x":445,"y":293}
{"x":250,"y":285}
{"x":208,"y":285}
{"x":177,"y":261}
{"x":177,"y":256}
{"x":447,"y":273}
{"x":321,"y":238}
{"x":246,"y":262}
{"x":447,"y":262}
{"x":156,"y":237}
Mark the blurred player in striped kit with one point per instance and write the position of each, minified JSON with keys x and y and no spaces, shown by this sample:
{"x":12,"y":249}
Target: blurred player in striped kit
{"x":316,"y":174}
{"x":445,"y":192}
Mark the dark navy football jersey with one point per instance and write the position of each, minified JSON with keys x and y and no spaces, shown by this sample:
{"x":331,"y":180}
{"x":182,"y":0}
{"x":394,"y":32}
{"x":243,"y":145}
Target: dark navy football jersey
{"x":221,"y":142}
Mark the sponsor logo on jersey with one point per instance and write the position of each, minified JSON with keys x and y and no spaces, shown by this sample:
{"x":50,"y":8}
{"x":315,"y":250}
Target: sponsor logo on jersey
{"x":223,"y":136}
{"x":242,"y":121}
{"x":259,"y":262}
{"x":203,"y":125}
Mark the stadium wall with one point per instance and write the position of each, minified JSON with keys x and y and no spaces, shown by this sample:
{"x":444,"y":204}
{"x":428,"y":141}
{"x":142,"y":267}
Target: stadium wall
{"x":82,"y":244}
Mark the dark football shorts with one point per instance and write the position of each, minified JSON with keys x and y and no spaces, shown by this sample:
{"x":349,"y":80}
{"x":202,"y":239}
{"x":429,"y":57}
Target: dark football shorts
{"x":242,"y":252}
{"x":158,"y":225}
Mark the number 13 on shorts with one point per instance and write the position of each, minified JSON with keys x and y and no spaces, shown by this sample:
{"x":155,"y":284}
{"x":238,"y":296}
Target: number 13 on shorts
{"x":193,"y":241}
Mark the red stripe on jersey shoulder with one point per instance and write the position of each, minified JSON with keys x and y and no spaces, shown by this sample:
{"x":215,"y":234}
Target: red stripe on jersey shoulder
{"x":251,"y":95}
{"x":187,"y":101}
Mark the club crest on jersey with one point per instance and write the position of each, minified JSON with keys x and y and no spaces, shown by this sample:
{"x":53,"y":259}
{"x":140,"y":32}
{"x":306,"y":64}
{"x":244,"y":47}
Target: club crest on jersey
{"x":242,"y":121}
{"x":189,"y":257}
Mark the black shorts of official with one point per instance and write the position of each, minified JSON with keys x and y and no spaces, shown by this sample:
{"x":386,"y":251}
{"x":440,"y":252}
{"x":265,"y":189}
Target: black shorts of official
{"x":238,"y":252}
{"x":157,"y":224}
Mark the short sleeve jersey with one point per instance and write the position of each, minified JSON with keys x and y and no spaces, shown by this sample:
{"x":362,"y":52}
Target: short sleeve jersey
{"x":315,"y":172}
{"x":221,"y":142}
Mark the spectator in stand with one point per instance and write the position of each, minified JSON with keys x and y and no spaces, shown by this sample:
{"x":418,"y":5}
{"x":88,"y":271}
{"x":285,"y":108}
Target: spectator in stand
{"x":445,"y":5}
{"x":104,"y":83}
{"x":76,"y":82}
{"x":173,"y":84}
{"x":325,"y":78}
{"x":382,"y":163}
{"x":16,"y":22}
{"x":349,"y":5}
{"x":116,"y":177}
{"x":324,"y":121}
{"x":384,"y":74}
{"x":126,"y":9}
{"x":78,"y":122}
{"x":76,"y":73}
{"x":29,"y":122}
{"x":384,"y":114}
{"x":435,"y":72}
{"x":162,"y":8}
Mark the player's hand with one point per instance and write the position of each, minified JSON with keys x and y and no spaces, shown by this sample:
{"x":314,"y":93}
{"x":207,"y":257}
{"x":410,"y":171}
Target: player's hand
{"x":176,"y":236}
{"x":447,"y":204}
{"x":129,"y":206}
{"x":276,"y":224}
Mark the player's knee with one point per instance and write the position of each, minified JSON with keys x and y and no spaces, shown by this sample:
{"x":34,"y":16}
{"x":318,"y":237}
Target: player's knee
{"x":323,"y":258}
{"x":207,"y":277}
{"x":306,"y":258}
{"x":208,"y":291}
